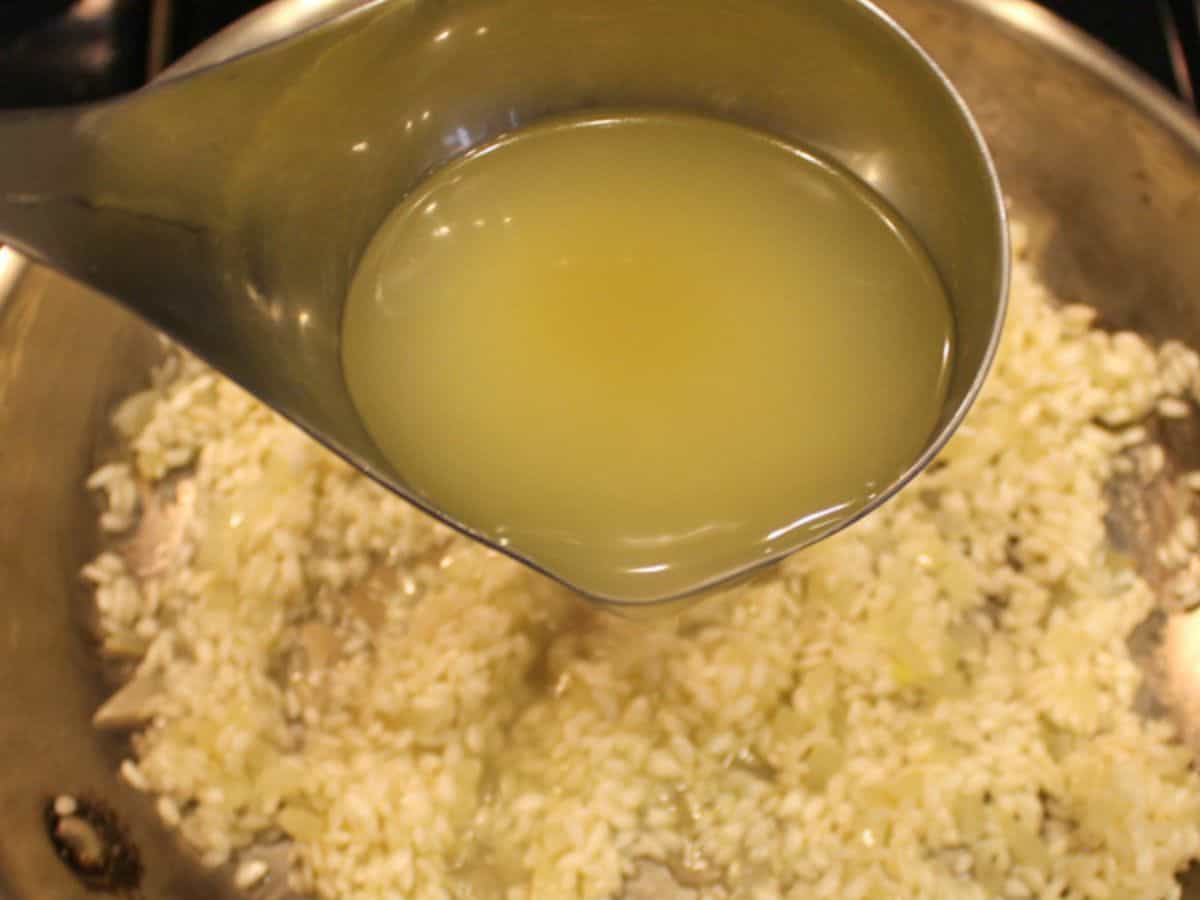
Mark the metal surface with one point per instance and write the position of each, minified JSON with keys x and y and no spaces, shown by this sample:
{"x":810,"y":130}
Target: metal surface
{"x":12,"y":265}
{"x":216,"y":207}
{"x":1104,"y":168}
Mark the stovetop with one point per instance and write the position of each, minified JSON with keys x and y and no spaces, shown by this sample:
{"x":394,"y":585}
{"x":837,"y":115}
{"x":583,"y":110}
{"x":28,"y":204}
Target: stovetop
{"x":66,"y":51}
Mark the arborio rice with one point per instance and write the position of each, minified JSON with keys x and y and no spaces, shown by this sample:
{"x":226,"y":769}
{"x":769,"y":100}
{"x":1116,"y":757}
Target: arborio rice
{"x":937,"y":703}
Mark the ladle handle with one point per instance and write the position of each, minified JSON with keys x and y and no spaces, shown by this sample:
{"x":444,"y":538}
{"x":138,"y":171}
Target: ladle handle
{"x":43,"y":210}
{"x":124,"y":232}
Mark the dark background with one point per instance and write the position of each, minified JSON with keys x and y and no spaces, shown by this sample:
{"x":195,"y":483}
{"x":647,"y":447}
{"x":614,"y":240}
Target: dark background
{"x":64,"y":51}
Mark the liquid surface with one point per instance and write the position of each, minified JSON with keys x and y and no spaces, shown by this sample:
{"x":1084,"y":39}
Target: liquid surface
{"x":645,"y":351}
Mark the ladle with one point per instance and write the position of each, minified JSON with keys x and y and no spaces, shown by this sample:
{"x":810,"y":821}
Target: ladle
{"x":228,"y":204}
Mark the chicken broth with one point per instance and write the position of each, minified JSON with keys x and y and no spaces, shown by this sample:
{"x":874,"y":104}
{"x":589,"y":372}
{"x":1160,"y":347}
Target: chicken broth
{"x":642,"y":351}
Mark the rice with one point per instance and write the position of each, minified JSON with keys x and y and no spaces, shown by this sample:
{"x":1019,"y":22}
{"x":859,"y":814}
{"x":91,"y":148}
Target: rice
{"x":938,"y":702}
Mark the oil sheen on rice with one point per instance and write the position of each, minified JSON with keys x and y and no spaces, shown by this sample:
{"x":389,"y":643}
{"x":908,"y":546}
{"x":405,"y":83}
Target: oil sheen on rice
{"x":643,"y":351}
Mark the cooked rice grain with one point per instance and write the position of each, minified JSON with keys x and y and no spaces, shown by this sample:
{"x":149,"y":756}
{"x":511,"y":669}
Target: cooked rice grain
{"x":936,"y":703}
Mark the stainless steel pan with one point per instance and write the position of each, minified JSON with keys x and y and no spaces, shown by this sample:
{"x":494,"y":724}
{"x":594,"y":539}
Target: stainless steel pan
{"x":1104,"y":166}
